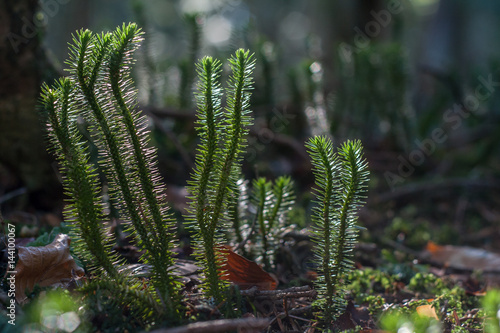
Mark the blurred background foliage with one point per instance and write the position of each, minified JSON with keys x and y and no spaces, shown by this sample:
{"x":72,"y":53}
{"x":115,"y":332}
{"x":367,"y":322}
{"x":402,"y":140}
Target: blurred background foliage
{"x":406,"y":77}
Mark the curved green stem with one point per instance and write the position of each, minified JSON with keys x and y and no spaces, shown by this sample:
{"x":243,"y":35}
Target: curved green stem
{"x":80,"y":178}
{"x":160,"y":250}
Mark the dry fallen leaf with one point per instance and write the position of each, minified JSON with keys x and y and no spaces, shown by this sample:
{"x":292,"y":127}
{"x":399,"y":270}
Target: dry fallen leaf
{"x":245,"y":273}
{"x":46,"y":266}
{"x":427,"y":311}
{"x":462,"y":257}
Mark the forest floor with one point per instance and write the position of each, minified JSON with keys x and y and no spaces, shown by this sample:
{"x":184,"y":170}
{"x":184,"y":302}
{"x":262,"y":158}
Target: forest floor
{"x":401,"y":276}
{"x":426,"y":259}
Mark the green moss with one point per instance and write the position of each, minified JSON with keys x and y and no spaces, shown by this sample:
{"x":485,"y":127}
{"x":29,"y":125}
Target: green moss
{"x":375,"y":304}
{"x":427,"y":284}
{"x":370,"y":281}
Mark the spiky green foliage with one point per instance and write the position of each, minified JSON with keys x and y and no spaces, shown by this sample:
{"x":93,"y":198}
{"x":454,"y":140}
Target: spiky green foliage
{"x":261,"y":197}
{"x":258,"y":216}
{"x":238,"y":213}
{"x":222,"y":133}
{"x":340,"y":185}
{"x":85,"y":206}
{"x":272,"y":202}
{"x":100,"y":90}
{"x":141,"y":310}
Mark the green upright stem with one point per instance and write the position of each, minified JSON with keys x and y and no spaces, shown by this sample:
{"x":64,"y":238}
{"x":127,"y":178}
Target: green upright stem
{"x":262,"y":187}
{"x":160,"y":251}
{"x":277,"y":206}
{"x":144,"y":172}
{"x":210,"y":70}
{"x":112,"y":143}
{"x":80,"y":179}
{"x":116,"y":159}
{"x":327,"y":233}
{"x":343,"y":225}
{"x":236,"y":131}
{"x":209,"y":155}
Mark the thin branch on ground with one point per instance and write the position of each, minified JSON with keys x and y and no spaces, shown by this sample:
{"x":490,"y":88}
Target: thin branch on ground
{"x":221,"y":325}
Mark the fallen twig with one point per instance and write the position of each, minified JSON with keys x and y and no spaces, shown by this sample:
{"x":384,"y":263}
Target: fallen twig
{"x":293,"y":314}
{"x":221,"y":325}
{"x":295,"y":292}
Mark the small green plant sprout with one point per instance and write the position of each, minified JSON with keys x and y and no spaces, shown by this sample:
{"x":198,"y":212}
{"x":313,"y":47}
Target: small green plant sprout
{"x":341,"y":181}
{"x":259,"y":215}
{"x":272,"y":203}
{"x":100,"y":90}
{"x":222,"y":140}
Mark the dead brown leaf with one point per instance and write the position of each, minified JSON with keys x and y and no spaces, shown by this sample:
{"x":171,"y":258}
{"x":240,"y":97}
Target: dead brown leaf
{"x":427,"y":311}
{"x":49,"y":265}
{"x":245,"y":273}
{"x":462,"y":257}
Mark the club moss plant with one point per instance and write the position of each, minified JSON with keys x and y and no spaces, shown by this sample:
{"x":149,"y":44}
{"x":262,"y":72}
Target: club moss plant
{"x":272,"y":201}
{"x":222,"y":132}
{"x":341,"y":180}
{"x":100,"y":91}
